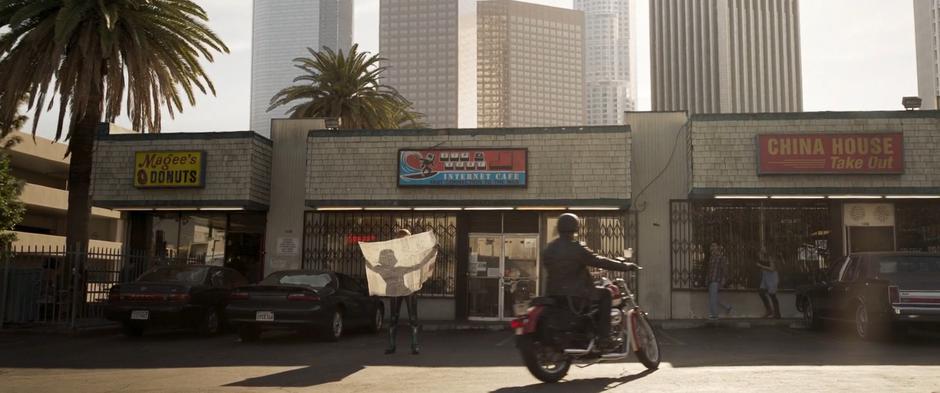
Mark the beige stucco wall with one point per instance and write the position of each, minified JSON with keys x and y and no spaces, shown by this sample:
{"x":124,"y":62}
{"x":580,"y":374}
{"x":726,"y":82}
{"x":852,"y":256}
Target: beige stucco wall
{"x":570,"y":164}
{"x":724,"y":150}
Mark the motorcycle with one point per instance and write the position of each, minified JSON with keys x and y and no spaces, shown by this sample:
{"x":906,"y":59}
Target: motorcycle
{"x":557,"y":332}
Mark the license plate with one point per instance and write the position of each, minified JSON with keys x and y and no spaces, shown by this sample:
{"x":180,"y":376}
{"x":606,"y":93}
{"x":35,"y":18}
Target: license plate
{"x":140,"y":315}
{"x":266,"y":316}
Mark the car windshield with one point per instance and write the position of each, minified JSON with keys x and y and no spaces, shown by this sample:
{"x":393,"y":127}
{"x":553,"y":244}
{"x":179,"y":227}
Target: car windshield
{"x":909,"y":266}
{"x":313,"y":280}
{"x":180,"y":274}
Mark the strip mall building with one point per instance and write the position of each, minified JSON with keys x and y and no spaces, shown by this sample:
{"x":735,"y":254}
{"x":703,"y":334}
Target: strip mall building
{"x":808,"y":187}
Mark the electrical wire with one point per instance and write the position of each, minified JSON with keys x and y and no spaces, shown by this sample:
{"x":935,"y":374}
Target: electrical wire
{"x":672,"y":154}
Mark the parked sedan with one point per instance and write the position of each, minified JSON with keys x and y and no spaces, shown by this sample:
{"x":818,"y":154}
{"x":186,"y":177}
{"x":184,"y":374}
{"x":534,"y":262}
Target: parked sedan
{"x":324,"y":303}
{"x":878,"y":292}
{"x":191,"y":296}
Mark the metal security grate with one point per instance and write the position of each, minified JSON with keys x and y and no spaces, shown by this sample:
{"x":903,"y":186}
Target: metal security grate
{"x":609,"y":234}
{"x":331,"y":242}
{"x":796,"y":233}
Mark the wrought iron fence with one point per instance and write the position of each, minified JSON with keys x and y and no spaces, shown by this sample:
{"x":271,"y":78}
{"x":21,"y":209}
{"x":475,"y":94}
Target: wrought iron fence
{"x":331,"y":242}
{"x":795,"y":233}
{"x":52,"y":285}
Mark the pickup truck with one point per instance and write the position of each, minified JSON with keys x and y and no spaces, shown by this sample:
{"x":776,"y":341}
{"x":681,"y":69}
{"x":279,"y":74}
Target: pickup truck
{"x":880,"y":293}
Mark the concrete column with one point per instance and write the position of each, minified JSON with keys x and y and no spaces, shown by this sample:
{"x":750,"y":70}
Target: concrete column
{"x":660,"y":173}
{"x":285,"y":228}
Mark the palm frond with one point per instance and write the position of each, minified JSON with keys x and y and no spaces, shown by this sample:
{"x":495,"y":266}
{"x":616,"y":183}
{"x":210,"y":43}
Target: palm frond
{"x":104,"y":56}
{"x":346,"y":85}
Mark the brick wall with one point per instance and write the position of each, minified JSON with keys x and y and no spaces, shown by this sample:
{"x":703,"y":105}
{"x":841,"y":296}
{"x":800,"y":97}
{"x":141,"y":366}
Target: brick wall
{"x":724,"y":150}
{"x":588,"y":163}
{"x":237,"y":169}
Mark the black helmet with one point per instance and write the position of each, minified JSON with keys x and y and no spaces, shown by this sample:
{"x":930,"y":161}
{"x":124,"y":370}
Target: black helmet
{"x":568,"y":223}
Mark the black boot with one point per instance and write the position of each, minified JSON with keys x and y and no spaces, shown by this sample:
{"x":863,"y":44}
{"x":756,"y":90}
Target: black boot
{"x":392,"y":331}
{"x":773,"y":298}
{"x":415,"y":349}
{"x":763,"y":298}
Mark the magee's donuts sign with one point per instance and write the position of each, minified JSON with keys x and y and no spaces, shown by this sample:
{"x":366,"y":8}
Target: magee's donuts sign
{"x":169,"y":169}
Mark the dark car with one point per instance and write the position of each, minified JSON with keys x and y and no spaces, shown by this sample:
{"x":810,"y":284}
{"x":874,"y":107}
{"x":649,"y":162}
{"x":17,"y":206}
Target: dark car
{"x":308,"y":301}
{"x":190,"y":296}
{"x":878,"y":292}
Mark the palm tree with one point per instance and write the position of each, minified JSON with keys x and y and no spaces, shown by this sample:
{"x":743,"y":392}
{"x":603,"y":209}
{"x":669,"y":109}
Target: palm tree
{"x":346,"y":86}
{"x":95,"y":56}
{"x":7,"y":128}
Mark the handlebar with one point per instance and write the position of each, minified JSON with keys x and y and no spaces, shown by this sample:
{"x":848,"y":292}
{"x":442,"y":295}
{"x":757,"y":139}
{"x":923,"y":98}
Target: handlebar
{"x":624,"y":261}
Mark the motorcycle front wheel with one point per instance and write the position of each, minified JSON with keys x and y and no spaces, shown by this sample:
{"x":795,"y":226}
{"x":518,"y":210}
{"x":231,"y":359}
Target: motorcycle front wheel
{"x":545,"y":363}
{"x":647,"y":345}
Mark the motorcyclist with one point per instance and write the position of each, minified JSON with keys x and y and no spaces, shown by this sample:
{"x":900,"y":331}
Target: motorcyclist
{"x":566,"y":261}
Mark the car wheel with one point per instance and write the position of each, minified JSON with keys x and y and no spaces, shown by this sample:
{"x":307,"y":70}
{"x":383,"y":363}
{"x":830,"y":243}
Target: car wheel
{"x":249,"y":333}
{"x":866,"y":327}
{"x":378,"y":320}
{"x":132,"y":330}
{"x":334,"y":330}
{"x":811,"y":315}
{"x":211,"y":323}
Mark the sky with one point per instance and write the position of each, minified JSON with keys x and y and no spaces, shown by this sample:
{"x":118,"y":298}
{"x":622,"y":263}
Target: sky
{"x":857,"y":55}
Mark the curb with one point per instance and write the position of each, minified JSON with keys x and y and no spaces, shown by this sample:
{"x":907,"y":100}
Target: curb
{"x":85,"y":331}
{"x":729,"y":323}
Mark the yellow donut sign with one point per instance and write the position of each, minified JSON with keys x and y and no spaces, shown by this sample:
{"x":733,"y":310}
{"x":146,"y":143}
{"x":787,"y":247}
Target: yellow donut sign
{"x":169,"y":169}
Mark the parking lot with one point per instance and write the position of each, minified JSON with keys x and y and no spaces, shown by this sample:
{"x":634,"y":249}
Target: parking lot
{"x":699,"y":360}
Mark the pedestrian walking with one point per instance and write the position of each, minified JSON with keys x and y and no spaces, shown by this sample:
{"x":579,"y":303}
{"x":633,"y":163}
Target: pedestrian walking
{"x":769,"y":280}
{"x":717,"y":270}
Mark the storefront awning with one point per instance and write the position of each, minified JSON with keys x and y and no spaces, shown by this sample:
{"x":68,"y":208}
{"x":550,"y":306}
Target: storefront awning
{"x":190,"y":205}
{"x":544,"y":204}
{"x":817,"y":193}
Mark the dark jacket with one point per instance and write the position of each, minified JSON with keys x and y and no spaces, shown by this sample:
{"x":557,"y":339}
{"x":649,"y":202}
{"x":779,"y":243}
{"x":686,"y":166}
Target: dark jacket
{"x":566,"y":261}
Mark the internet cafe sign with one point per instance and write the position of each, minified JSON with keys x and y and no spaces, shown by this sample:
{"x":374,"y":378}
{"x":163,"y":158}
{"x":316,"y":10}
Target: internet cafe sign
{"x":169,"y":169}
{"x":462,"y":167}
{"x":881,"y":153}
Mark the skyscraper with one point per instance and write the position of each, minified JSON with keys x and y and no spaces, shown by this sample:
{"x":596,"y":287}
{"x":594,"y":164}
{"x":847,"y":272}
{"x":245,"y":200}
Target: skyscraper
{"x":530,"y":61}
{"x":927,"y":31}
{"x":726,"y":56}
{"x":282,"y":30}
{"x":430,"y":47}
{"x":610,"y":63}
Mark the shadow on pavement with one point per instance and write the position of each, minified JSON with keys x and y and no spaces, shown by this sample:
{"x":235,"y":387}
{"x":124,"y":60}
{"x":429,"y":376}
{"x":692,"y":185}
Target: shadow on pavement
{"x":301,"y":377}
{"x":577,"y":385}
{"x":312,"y":363}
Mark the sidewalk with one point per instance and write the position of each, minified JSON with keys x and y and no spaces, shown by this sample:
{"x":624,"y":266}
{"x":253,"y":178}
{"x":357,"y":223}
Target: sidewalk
{"x":94,"y":327}
{"x":733,"y":323}
{"x":83,"y":327}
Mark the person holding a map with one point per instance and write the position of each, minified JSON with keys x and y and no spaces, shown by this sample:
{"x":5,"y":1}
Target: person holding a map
{"x":397,"y":269}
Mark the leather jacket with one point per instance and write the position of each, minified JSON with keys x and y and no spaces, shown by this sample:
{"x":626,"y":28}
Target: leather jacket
{"x":566,"y":261}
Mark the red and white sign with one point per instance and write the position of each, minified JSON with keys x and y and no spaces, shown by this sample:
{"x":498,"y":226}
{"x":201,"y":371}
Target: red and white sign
{"x":874,"y":153}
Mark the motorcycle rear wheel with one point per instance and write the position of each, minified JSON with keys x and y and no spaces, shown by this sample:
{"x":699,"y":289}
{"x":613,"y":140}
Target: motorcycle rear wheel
{"x":647,"y":345}
{"x":546,"y":364}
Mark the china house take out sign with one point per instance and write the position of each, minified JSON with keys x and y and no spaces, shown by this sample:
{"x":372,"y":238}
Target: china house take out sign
{"x":169,"y":169}
{"x":874,"y":153}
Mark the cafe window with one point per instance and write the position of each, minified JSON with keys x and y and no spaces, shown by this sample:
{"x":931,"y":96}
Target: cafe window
{"x":166,"y":231}
{"x":918,"y":226}
{"x":202,"y":238}
{"x":234,"y":240}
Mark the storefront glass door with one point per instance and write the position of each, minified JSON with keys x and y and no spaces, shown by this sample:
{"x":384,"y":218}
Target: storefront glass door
{"x":503,"y":275}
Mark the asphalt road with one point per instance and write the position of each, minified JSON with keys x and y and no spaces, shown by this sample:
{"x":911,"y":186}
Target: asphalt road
{"x":695,"y":360}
